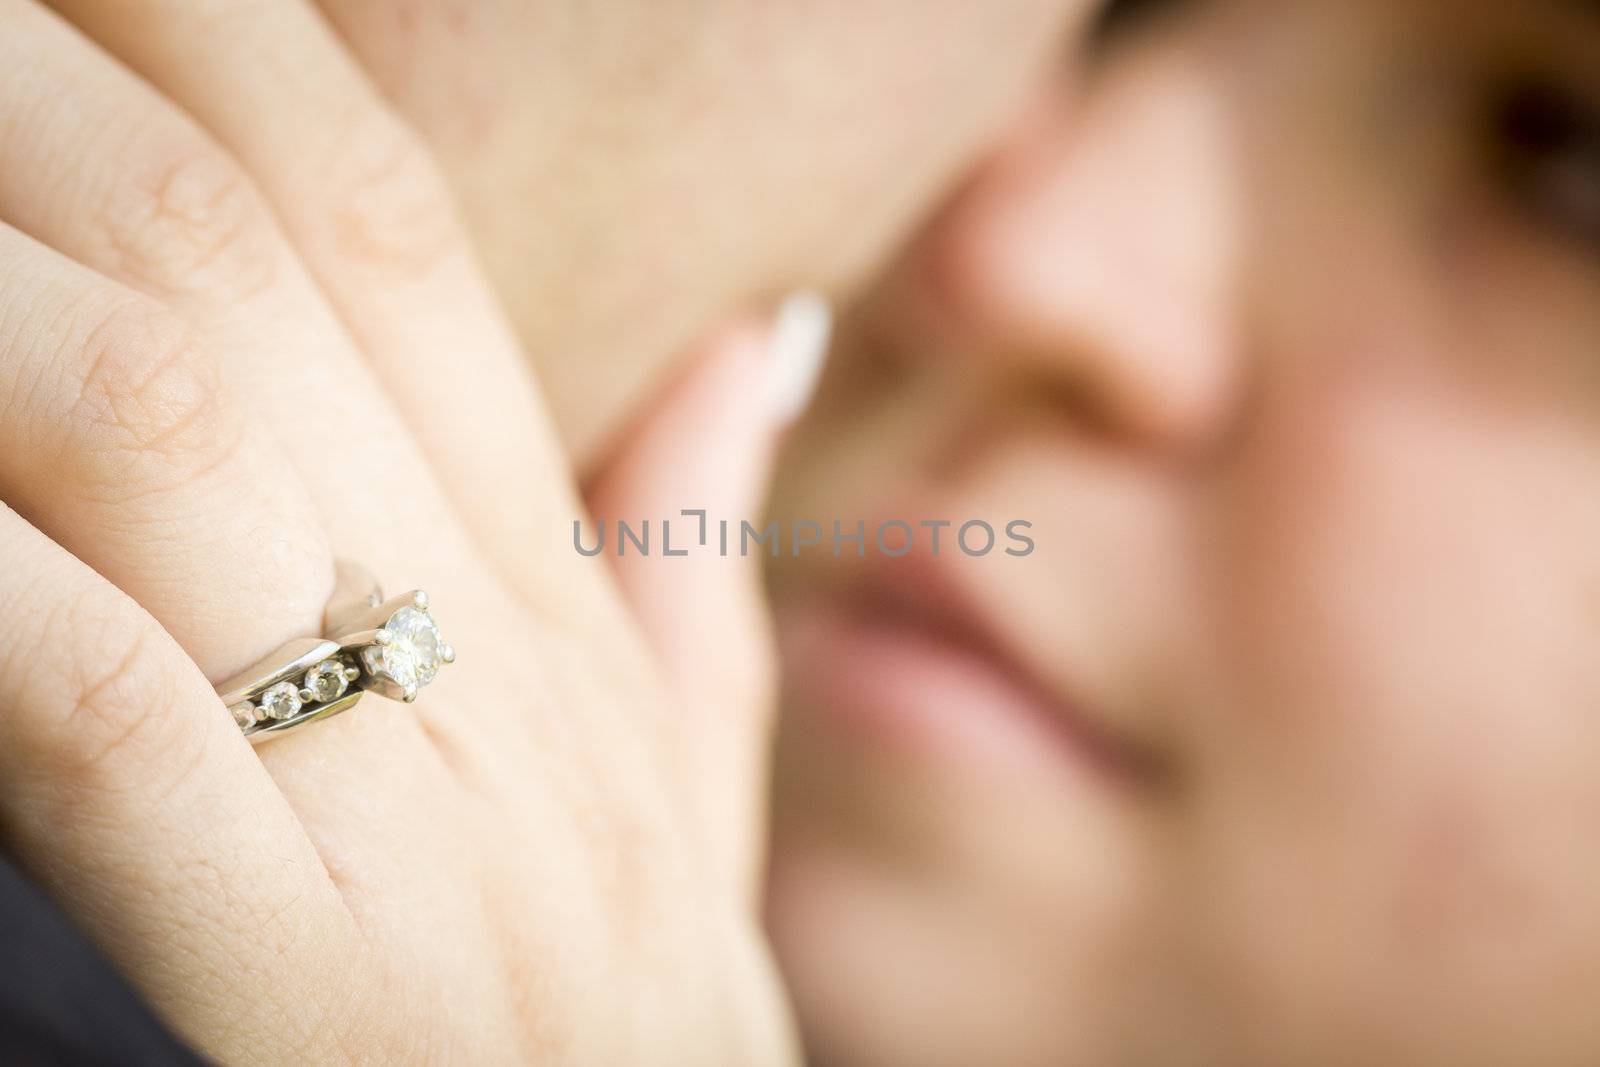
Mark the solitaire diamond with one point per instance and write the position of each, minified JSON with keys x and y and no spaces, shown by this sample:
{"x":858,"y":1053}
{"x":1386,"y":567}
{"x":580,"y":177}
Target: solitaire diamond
{"x":408,"y":650}
{"x":281,"y":702}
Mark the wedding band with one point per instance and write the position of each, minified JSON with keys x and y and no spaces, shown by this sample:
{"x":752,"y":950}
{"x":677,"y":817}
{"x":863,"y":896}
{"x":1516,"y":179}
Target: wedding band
{"x":369,"y":645}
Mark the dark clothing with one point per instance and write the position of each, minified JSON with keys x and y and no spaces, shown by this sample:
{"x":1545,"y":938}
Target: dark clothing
{"x":60,"y":1001}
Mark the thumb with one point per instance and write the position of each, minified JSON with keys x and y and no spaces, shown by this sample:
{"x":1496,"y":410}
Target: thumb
{"x":697,"y":467}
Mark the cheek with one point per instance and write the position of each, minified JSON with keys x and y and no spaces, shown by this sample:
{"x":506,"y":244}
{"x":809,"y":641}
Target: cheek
{"x":1397,"y":762}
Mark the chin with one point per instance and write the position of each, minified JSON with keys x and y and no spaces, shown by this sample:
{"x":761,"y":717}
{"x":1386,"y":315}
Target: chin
{"x":925,"y":918}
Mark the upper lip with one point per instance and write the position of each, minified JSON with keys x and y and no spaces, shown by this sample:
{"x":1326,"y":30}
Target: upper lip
{"x":926,"y":592}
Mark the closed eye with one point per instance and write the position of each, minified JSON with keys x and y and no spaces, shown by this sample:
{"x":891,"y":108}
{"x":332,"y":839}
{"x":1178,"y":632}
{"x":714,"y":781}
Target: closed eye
{"x":1121,"y":17}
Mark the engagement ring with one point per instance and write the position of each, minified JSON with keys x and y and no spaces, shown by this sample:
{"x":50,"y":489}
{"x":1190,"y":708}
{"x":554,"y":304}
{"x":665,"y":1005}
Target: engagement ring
{"x":389,"y":647}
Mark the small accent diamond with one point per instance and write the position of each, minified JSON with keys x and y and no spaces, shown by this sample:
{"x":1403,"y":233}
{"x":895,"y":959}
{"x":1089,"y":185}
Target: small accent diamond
{"x":281,"y":702}
{"x":326,"y":681}
{"x":244,"y":714}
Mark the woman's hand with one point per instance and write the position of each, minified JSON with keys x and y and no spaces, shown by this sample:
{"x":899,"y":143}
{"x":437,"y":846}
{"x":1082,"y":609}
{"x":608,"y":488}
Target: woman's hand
{"x":240,"y":334}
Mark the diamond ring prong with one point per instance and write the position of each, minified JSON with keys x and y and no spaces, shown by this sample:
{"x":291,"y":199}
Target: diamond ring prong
{"x":448,"y":653}
{"x":419,"y":600}
{"x":382,"y":637}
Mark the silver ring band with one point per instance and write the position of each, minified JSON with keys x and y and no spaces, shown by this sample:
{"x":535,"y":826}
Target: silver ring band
{"x":369,"y":645}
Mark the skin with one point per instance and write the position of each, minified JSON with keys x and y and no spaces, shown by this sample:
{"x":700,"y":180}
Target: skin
{"x":1295,"y":377}
{"x":630,"y":171}
{"x":223,"y":300}
{"x":1269,"y":514}
{"x":234,"y":271}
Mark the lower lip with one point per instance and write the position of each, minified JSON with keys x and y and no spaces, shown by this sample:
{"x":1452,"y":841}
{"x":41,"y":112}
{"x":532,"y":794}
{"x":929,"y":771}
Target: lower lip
{"x":919,"y":694}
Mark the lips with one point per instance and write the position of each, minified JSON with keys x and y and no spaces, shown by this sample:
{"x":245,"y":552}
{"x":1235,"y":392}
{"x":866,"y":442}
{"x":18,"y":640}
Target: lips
{"x":905,"y":658}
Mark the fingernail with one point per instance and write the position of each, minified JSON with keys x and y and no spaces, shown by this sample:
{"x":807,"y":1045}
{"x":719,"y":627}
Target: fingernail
{"x":799,"y":347}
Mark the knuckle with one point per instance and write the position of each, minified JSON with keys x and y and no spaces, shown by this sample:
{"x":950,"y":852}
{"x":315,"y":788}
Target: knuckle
{"x":101,"y":692}
{"x":150,"y":410}
{"x":392,"y":213}
{"x":191,"y":224}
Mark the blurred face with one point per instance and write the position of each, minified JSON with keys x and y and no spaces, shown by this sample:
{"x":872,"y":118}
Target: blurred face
{"x":630,"y":170}
{"x":1282,"y":328}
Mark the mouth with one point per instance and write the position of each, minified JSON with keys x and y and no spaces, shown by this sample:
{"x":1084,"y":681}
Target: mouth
{"x":904,"y":660}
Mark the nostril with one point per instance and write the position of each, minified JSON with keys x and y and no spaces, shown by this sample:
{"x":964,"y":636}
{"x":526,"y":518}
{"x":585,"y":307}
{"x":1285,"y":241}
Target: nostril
{"x":1178,"y":406}
{"x":1180,"y":409}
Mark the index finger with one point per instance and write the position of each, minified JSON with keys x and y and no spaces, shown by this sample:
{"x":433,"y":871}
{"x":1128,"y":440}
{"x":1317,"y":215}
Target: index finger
{"x":373,"y":219}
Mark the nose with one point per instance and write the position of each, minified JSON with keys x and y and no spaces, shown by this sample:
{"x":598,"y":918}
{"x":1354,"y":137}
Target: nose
{"x":1096,"y":251}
